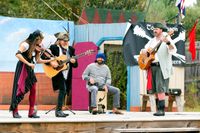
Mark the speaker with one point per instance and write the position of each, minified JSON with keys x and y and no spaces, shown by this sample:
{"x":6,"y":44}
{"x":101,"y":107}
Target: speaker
{"x":101,"y":101}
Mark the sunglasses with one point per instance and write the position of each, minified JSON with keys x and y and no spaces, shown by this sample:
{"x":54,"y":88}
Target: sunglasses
{"x":66,"y":40}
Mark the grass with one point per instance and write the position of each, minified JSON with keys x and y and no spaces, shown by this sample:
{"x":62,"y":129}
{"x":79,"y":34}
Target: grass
{"x":195,"y":109}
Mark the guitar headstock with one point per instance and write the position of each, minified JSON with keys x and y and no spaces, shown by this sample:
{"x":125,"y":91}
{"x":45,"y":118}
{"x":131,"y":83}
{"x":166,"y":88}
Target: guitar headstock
{"x":170,"y":32}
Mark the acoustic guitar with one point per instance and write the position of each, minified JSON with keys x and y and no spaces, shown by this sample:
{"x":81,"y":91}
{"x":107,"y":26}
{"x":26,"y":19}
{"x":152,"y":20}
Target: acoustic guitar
{"x":62,"y":61}
{"x":145,"y":59}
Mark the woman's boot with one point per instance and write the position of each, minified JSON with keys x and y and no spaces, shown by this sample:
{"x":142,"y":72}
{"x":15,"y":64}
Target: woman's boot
{"x":15,"y":113}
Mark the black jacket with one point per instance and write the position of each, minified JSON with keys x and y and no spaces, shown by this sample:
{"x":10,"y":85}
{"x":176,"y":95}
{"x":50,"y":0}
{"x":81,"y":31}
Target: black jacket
{"x":58,"y":80}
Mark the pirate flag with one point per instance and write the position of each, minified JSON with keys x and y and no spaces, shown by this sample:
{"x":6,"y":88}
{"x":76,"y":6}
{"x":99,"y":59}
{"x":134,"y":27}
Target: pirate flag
{"x":137,"y":35}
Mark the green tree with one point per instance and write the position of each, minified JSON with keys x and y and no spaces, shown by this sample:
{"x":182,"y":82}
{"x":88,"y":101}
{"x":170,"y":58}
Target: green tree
{"x":119,"y":76}
{"x":39,"y":9}
{"x":67,"y":9}
{"x":117,"y":4}
{"x":163,"y":10}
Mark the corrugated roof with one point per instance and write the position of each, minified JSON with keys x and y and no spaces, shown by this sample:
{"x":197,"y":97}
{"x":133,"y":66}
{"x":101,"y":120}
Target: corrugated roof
{"x":95,"y":32}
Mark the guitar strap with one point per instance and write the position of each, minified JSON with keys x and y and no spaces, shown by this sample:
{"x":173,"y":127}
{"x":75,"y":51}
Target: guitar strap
{"x":158,"y":46}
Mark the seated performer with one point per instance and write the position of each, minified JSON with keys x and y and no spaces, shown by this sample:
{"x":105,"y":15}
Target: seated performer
{"x":98,"y":76}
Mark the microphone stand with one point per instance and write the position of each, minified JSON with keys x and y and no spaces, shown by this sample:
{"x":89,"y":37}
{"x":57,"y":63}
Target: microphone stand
{"x":65,"y":107}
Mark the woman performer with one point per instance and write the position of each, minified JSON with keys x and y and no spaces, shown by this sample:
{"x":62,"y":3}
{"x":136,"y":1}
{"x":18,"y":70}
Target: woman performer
{"x":25,"y":79}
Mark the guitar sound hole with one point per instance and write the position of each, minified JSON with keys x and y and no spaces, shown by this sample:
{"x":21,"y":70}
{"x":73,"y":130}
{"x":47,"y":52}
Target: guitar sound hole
{"x":60,"y":62}
{"x":148,"y":54}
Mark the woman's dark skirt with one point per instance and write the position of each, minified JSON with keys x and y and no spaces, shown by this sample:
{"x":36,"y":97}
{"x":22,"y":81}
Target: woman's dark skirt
{"x":23,"y":81}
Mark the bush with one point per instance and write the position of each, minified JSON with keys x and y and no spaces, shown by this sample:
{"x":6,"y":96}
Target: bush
{"x":119,"y":76}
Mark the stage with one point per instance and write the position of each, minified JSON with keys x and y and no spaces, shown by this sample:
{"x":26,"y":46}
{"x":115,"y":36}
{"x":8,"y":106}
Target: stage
{"x":83,"y":121}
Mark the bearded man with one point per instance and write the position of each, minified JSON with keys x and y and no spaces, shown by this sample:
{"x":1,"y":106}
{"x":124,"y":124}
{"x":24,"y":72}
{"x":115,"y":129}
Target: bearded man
{"x":98,"y":76}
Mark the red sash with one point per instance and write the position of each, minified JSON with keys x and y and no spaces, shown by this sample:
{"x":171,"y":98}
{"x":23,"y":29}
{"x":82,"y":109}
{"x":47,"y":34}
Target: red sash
{"x":149,"y":79}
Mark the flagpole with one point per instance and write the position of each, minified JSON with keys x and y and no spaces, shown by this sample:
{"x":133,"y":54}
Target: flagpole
{"x":178,"y":18}
{"x":181,"y":7}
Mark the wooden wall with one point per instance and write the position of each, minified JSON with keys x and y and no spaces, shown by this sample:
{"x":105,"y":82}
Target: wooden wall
{"x":45,"y":93}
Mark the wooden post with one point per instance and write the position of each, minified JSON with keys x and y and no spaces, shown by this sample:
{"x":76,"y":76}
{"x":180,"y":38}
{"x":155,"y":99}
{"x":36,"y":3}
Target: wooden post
{"x":145,"y":98}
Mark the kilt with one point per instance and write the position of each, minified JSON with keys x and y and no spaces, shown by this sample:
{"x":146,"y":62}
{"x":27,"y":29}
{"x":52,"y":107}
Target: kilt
{"x":159,"y":84}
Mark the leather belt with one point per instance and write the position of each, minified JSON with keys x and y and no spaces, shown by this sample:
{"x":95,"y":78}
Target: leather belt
{"x":155,"y":64}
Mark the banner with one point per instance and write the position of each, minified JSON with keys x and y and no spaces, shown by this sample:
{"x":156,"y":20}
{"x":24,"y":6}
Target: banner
{"x":139,"y":34}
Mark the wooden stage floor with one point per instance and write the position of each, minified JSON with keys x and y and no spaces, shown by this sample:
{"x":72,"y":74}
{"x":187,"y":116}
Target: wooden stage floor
{"x":84,"y":122}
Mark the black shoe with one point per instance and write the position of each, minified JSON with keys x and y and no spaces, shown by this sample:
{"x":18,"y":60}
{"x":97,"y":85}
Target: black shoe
{"x":117,"y":112}
{"x":90,"y":109}
{"x":94,"y":111}
{"x":65,"y":114}
{"x":60,"y":114}
{"x":159,"y":113}
{"x":33,"y":116}
{"x":16,"y":115}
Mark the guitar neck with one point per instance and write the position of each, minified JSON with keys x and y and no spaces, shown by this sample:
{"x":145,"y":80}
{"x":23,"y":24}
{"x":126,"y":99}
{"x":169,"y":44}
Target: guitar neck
{"x":157,"y":45}
{"x":75,"y":57}
{"x":168,"y":34}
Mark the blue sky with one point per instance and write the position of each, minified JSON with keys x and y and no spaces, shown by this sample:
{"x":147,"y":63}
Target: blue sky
{"x":190,"y":3}
{"x":15,"y":30}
